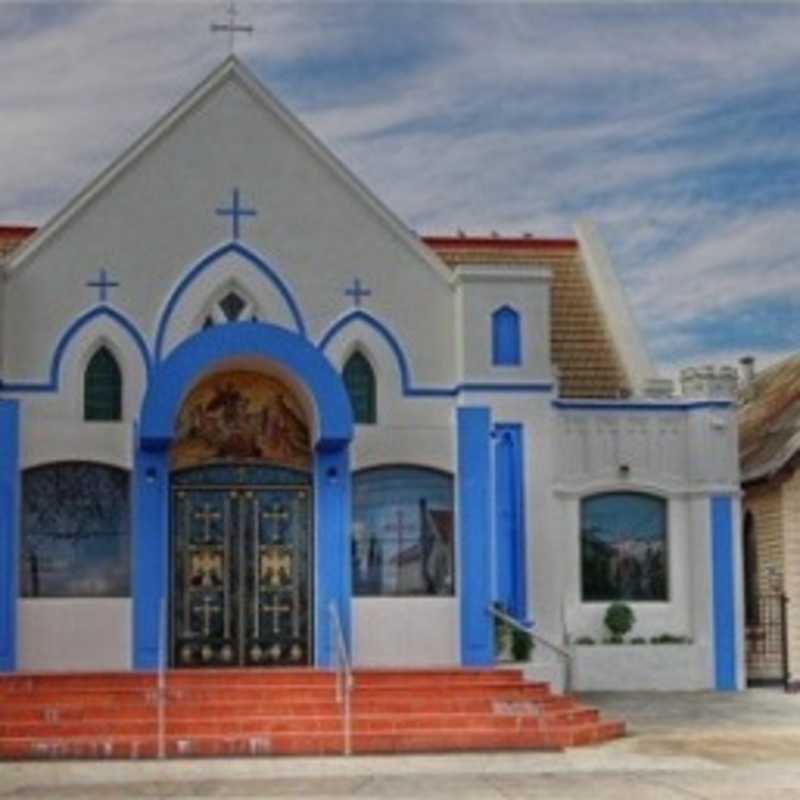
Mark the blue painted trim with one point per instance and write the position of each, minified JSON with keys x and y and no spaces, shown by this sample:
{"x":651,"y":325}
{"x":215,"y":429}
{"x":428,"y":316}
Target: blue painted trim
{"x":208,"y":349}
{"x":359,"y":315}
{"x":171,"y":381}
{"x":474,"y":536}
{"x":614,"y":405}
{"x":149,"y":555}
{"x":208,"y":261}
{"x":332,"y":567}
{"x":9,"y":532}
{"x":58,"y":355}
{"x":724,"y":593}
{"x":506,"y":348}
{"x":510,"y":535}
{"x":531,"y":388}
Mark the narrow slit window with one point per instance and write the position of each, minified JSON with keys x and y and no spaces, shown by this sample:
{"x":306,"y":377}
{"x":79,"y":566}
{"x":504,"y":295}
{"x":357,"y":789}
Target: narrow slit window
{"x":359,"y":379}
{"x":102,"y":389}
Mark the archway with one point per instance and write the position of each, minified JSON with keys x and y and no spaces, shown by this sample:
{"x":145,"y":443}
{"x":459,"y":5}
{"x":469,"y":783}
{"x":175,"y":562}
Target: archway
{"x":321,"y":402}
{"x":241,"y":549}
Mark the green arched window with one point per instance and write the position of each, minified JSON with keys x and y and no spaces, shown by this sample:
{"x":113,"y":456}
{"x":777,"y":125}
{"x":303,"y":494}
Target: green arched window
{"x":102,"y":388}
{"x":360,"y":382}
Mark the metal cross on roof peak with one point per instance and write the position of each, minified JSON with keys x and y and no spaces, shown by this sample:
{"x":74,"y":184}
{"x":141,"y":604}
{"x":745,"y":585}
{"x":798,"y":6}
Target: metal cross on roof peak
{"x":231,"y":28}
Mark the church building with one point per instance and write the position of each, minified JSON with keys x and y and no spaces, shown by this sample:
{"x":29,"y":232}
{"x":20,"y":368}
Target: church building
{"x":242,"y":403}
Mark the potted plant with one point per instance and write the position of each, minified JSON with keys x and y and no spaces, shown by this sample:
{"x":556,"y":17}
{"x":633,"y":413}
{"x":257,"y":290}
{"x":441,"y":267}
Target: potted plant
{"x":522,"y":645}
{"x":619,"y":620}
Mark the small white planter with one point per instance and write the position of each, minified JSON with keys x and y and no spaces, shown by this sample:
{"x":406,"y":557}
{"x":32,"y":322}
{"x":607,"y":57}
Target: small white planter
{"x":643,"y":667}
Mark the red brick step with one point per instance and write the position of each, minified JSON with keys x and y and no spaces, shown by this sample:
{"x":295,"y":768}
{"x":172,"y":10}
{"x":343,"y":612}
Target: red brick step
{"x":207,"y":713}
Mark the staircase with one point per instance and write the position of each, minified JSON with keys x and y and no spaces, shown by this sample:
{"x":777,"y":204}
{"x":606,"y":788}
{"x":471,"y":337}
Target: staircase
{"x":287,"y":712}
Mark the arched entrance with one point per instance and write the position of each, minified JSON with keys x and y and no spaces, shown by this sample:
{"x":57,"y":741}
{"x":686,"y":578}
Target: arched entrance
{"x":271,"y":351}
{"x":241,"y":525}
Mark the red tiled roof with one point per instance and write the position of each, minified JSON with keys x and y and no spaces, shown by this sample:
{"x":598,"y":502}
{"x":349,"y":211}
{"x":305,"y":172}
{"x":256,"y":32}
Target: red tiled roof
{"x":494,"y":243}
{"x":12,"y":236}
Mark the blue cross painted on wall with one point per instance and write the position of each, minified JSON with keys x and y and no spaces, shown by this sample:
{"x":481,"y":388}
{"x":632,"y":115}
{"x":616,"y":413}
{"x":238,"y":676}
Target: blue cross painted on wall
{"x":236,"y":212}
{"x":103,"y":284}
{"x":357,"y":292}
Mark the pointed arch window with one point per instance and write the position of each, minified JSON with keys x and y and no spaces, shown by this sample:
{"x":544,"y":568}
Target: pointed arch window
{"x":505,"y":337}
{"x":359,"y":380}
{"x":102,"y":388}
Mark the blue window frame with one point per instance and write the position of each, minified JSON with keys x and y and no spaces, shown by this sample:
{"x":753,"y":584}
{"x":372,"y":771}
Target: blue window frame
{"x":506,"y":350}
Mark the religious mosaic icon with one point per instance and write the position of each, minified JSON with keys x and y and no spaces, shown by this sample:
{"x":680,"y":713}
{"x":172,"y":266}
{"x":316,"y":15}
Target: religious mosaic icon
{"x":241,"y":416}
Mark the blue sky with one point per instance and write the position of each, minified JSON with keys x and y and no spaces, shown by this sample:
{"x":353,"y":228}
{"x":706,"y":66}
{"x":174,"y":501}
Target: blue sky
{"x":673,"y":126}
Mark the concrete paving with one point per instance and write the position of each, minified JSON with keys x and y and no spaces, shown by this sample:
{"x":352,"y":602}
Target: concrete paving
{"x":680,"y":745}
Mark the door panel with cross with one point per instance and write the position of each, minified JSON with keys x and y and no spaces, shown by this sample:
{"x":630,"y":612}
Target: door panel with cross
{"x":240,"y":576}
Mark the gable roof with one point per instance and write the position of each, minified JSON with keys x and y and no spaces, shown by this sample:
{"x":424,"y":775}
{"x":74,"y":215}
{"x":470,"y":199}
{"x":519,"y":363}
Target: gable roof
{"x":582,"y":345}
{"x":230,"y":69}
{"x":769,"y":420}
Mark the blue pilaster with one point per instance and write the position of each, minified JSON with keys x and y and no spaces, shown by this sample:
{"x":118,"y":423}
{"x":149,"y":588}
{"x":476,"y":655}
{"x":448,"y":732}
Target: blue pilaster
{"x":332,"y":565}
{"x":722,"y":553}
{"x":9,"y":532}
{"x":149,"y":555}
{"x":510,"y":550}
{"x":475,"y":531}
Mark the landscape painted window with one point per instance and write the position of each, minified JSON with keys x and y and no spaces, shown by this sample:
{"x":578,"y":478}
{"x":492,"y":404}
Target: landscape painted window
{"x":102,"y":388}
{"x":624,"y":547}
{"x":359,"y":380}
{"x":75,"y":531}
{"x":505,"y":337}
{"x":402,"y":532}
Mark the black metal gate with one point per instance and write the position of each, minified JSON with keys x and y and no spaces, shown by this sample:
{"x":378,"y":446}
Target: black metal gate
{"x":766,"y":640}
{"x":240,"y":568}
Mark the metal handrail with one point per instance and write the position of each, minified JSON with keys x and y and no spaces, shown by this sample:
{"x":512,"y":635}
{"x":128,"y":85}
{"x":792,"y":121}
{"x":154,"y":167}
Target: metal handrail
{"x":344,"y":675}
{"x":521,"y":626}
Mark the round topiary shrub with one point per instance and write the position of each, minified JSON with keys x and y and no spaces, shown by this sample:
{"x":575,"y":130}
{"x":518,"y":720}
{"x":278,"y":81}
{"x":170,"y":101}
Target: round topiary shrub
{"x":619,"y":620}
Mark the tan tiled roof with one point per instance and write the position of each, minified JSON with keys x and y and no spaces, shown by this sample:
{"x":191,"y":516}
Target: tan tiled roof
{"x":769,"y":420}
{"x":12,"y":236}
{"x":582,"y":348}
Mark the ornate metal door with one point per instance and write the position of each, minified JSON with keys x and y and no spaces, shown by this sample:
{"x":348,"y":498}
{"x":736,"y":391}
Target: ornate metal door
{"x":240,"y":566}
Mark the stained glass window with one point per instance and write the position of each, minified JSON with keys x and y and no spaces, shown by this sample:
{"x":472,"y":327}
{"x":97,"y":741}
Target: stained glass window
{"x":624,"y":547}
{"x":75,"y":531}
{"x":102,"y":388}
{"x":402,"y":542}
{"x":359,"y":379}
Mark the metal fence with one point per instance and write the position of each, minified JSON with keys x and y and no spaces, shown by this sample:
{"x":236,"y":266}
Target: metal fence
{"x":766,"y":647}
